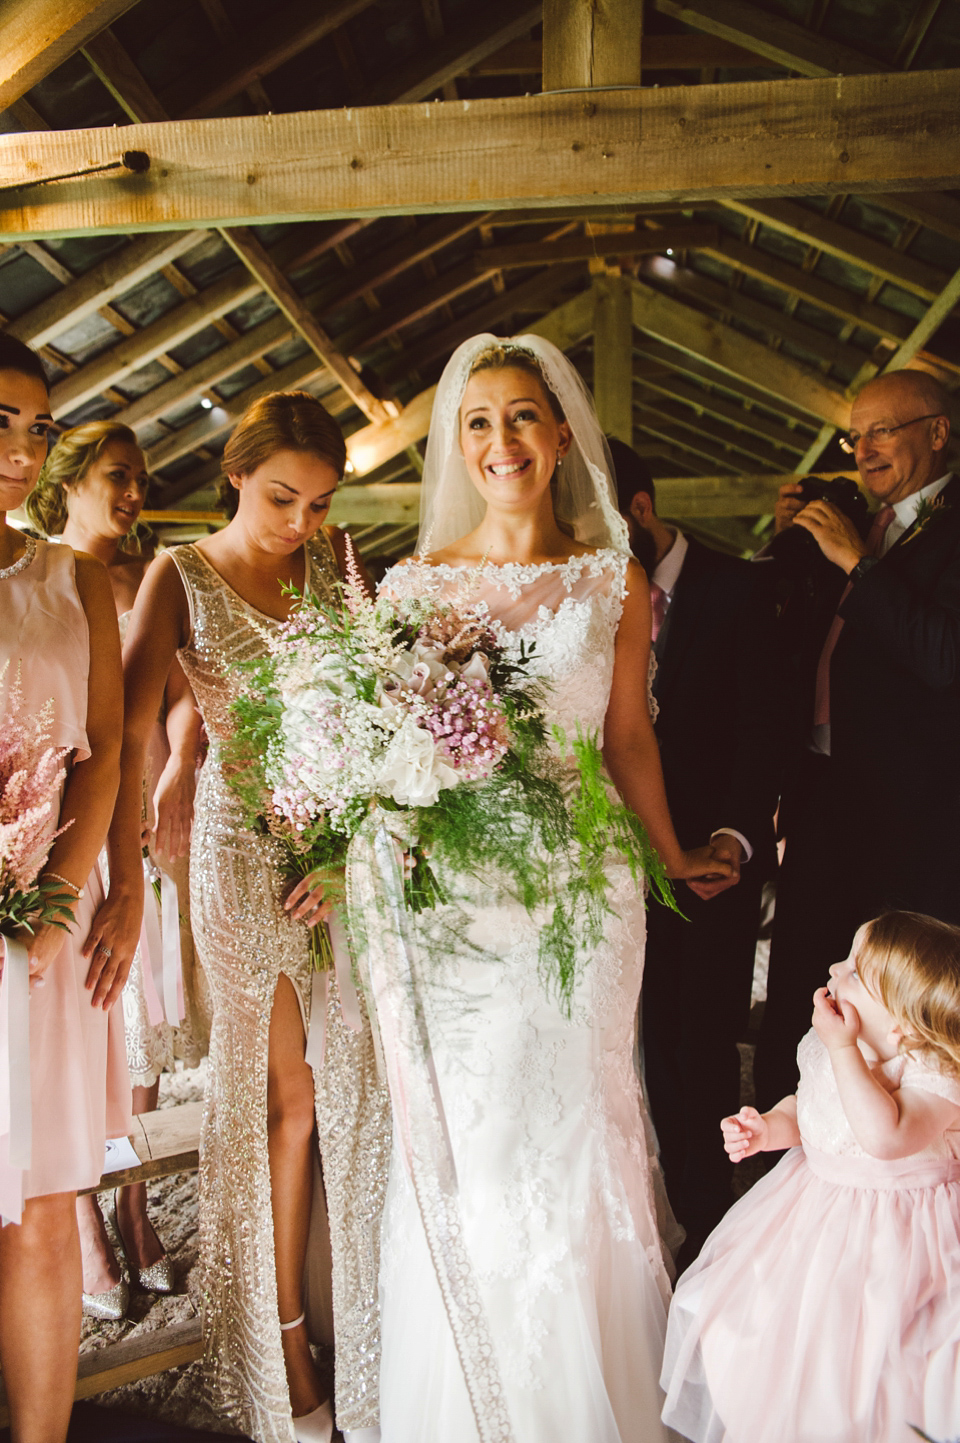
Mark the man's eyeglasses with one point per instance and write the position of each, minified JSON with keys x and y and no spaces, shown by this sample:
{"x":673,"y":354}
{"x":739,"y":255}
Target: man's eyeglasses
{"x":879,"y":435}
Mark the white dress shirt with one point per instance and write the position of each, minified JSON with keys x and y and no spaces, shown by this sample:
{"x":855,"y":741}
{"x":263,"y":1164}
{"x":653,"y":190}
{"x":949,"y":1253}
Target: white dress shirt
{"x":666,"y":574}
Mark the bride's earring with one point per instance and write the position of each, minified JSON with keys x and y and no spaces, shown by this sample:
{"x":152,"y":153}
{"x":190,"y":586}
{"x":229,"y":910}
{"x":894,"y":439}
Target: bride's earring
{"x":559,"y":459}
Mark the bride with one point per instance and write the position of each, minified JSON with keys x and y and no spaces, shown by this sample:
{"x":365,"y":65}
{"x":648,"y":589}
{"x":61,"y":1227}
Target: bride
{"x":535,"y":1309}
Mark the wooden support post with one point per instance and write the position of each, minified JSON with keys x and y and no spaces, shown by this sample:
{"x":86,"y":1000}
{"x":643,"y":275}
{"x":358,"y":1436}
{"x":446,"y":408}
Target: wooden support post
{"x":613,"y":356}
{"x":591,"y":43}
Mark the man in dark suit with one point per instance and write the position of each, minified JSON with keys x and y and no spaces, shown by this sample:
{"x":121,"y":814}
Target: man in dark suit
{"x":714,"y":644}
{"x":872,"y":817}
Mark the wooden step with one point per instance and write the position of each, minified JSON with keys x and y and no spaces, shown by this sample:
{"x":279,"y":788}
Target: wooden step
{"x":166,"y":1141}
{"x":131,"y":1359}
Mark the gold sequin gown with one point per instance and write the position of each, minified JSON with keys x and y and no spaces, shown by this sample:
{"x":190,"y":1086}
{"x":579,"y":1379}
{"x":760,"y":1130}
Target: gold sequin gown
{"x":244,"y":941}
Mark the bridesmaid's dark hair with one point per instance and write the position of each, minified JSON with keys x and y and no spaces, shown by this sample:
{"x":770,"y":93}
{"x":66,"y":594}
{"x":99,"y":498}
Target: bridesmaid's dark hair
{"x":280,"y":421}
{"x":15,"y":356}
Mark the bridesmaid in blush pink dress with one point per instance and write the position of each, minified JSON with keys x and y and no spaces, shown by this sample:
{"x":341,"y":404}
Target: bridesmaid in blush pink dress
{"x":58,"y":629}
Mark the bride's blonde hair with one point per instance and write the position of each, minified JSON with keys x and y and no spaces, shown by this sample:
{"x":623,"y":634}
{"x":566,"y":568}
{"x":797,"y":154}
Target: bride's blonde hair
{"x":912,"y":964}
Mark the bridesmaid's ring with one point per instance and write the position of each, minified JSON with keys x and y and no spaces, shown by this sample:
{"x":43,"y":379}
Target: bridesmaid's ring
{"x":107,"y":951}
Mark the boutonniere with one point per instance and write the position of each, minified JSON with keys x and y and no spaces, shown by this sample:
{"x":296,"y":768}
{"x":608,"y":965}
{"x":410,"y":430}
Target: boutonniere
{"x":926,"y":511}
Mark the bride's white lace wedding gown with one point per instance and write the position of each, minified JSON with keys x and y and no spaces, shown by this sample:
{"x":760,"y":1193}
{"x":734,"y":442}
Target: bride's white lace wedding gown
{"x":544,"y":1112}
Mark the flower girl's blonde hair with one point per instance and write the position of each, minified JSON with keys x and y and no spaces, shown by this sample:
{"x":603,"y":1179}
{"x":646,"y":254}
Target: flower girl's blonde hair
{"x":912,"y":963}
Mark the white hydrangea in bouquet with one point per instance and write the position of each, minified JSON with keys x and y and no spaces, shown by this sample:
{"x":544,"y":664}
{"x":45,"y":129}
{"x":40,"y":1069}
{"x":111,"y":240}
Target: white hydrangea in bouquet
{"x":32,"y":772}
{"x":414,"y":706}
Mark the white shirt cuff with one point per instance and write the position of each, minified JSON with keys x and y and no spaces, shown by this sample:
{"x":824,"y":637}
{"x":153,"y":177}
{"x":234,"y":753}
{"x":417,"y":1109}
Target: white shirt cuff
{"x":732,"y":832}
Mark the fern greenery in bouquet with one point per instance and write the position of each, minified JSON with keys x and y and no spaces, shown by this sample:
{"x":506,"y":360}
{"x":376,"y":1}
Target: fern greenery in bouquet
{"x":415,"y":707}
{"x":31,"y":774}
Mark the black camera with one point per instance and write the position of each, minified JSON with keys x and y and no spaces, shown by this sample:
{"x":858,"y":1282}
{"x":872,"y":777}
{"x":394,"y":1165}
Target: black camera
{"x":794,"y":547}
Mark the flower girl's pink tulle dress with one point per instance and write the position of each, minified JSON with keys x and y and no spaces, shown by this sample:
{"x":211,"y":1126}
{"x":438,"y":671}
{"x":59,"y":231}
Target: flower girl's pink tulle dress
{"x":825,"y":1308}
{"x":78,"y":1065}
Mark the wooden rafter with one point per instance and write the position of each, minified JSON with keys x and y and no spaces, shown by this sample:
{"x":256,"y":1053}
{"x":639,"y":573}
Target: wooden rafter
{"x":773,"y":36}
{"x":591,"y":45}
{"x":453,"y":53}
{"x":625,"y":147}
{"x":659,"y":52}
{"x":38,"y":35}
{"x":669,"y":385}
{"x":595,"y":247}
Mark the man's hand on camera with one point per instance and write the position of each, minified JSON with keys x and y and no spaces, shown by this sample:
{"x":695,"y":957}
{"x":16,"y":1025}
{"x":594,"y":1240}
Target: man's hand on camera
{"x":837,"y":537}
{"x":789,"y":502}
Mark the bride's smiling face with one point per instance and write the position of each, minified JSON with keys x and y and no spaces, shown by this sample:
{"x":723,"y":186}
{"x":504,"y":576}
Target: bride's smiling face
{"x":510,"y":437}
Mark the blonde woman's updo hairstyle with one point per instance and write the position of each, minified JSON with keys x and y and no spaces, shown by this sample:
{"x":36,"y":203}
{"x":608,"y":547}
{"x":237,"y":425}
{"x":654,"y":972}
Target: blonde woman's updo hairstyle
{"x":68,"y":463}
{"x":280,"y":421}
{"x":912,"y":963}
{"x":515,"y":358}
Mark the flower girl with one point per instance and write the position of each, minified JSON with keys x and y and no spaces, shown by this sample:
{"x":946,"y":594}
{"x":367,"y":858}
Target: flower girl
{"x":826,"y":1305}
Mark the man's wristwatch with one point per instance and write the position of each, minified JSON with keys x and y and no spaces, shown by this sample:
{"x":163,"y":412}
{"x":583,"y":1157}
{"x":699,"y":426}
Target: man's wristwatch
{"x":865,"y":564}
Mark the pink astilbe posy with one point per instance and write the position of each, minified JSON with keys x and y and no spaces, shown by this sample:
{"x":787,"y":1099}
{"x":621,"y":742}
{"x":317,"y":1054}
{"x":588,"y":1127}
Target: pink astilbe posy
{"x":31,"y":775}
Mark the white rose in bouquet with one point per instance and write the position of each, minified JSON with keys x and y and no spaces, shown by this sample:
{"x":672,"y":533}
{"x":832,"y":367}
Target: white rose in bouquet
{"x":413,"y":772}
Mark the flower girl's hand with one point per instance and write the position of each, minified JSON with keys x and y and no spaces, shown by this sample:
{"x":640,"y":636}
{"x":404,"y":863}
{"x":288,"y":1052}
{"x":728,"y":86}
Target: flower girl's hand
{"x":744,"y":1134}
{"x":307,"y":901}
{"x":836,"y":1022}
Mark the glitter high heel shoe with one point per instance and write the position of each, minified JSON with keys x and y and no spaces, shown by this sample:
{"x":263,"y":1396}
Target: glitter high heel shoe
{"x":110,"y":1306}
{"x":157,"y":1277}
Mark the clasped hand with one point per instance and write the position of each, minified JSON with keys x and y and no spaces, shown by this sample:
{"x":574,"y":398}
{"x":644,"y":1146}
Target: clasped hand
{"x":834,"y":533}
{"x":724,"y":858}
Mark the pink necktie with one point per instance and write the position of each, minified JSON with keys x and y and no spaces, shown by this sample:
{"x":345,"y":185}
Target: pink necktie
{"x":821,"y":704}
{"x":658,"y":604}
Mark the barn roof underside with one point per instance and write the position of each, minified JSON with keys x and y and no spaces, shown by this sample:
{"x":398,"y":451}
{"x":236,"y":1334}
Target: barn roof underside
{"x":174,"y":331}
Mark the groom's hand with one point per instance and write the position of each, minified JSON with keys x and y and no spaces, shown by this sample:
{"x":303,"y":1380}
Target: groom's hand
{"x":724,"y":848}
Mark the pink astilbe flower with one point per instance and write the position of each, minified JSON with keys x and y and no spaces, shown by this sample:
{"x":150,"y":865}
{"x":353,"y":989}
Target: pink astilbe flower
{"x":31,"y":775}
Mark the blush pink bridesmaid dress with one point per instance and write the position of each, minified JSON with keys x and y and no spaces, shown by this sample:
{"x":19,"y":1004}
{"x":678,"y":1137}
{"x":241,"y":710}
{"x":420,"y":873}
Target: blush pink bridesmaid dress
{"x":78,"y":1066}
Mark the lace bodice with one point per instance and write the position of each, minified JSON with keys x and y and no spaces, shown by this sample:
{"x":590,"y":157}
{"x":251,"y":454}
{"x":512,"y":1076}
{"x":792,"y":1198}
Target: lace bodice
{"x":569,"y":610}
{"x":226,"y":631}
{"x":820,"y":1115}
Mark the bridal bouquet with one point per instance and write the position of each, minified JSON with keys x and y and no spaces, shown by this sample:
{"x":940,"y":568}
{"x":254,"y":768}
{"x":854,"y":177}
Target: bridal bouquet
{"x":414,"y":706}
{"x":31,"y":774}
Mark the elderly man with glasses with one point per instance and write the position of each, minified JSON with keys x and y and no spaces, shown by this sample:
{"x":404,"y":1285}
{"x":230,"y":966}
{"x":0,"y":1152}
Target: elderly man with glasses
{"x":871,"y":818}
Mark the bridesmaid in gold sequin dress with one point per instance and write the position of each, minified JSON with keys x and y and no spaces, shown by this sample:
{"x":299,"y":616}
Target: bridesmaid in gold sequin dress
{"x":211,"y":604}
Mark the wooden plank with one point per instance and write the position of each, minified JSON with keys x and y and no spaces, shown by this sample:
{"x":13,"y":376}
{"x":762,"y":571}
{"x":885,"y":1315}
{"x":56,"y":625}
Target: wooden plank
{"x":927,"y":326}
{"x":685,"y":363}
{"x":771,"y":35}
{"x":659,"y":52}
{"x":99,"y":285}
{"x":453,"y":54}
{"x":394,"y":504}
{"x":707,"y":428}
{"x":595,"y":247}
{"x":265,"y":270}
{"x":196,"y":379}
{"x":165,"y":1141}
{"x":263,"y":48}
{"x":689,"y":143}
{"x":613,"y":356}
{"x":369,"y":447}
{"x":653,"y":424}
{"x":682,"y":496}
{"x":846,"y":244}
{"x":138,"y":350}
{"x":667,"y":384}
{"x":668,"y":319}
{"x":38,"y":35}
{"x":113,"y":67}
{"x":184,"y":518}
{"x":591,"y":44}
{"x":940,"y":213}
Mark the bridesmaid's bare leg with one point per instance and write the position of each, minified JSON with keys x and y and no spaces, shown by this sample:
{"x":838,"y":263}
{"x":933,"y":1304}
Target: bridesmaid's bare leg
{"x":139,"y":1238}
{"x":101,"y":1271}
{"x":290,"y":1127}
{"x":40,"y":1281}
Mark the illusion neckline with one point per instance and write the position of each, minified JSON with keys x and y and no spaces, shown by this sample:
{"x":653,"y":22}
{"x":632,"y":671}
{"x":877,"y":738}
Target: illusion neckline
{"x":526,"y":570}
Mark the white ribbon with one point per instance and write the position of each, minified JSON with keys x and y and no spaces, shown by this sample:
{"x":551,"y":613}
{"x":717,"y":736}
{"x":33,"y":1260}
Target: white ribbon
{"x":160,"y":951}
{"x":16,"y":1112}
{"x":375,"y":889}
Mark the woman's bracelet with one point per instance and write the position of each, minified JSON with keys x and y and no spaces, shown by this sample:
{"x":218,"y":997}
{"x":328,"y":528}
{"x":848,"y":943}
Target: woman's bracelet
{"x":72,"y":885}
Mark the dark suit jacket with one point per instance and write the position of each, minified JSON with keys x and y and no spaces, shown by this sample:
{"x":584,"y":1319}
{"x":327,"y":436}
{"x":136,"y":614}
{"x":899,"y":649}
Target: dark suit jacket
{"x":717,"y":695}
{"x":895,"y":712}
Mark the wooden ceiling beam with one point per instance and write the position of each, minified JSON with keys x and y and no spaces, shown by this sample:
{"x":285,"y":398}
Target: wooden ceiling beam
{"x":259,"y":52}
{"x":669,"y":385}
{"x":626,"y":147}
{"x":395,"y":504}
{"x":667,"y":319}
{"x":103,"y":283}
{"x":38,"y":35}
{"x":771,"y":35}
{"x":846,"y":244}
{"x":940,"y":213}
{"x":755,"y":313}
{"x":596,"y":247}
{"x":421,"y":301}
{"x":650,"y":423}
{"x":496,"y":24}
{"x":692,"y":367}
{"x":591,"y":45}
{"x":206,"y":373}
{"x":709,"y":429}
{"x":808,"y":287}
{"x":658,"y":52}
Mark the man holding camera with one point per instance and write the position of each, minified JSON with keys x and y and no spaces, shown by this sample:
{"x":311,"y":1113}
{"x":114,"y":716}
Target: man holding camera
{"x":871,"y":818}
